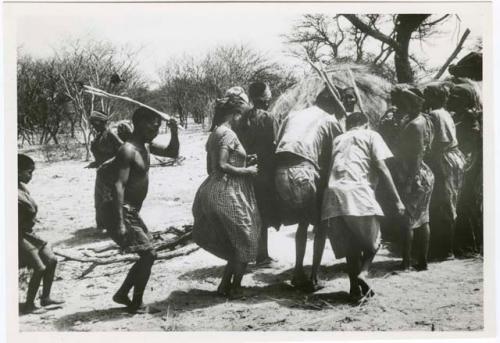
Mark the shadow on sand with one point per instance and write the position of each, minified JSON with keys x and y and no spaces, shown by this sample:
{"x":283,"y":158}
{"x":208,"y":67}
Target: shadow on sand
{"x":68,"y":323}
{"x":281,"y":293}
{"x":84,"y":236}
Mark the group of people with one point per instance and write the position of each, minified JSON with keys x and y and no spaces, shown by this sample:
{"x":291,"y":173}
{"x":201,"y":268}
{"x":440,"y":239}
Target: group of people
{"x":322,"y":168}
{"x":317,"y":167}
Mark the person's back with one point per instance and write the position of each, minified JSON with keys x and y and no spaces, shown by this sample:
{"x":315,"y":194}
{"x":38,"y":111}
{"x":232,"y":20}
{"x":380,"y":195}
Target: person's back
{"x":444,"y":129}
{"x":350,"y":210}
{"x":303,"y":155}
{"x":305,"y":134}
{"x":352,"y":180}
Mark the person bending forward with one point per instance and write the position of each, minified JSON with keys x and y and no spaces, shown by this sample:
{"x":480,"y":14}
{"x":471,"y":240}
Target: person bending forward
{"x":350,"y":211}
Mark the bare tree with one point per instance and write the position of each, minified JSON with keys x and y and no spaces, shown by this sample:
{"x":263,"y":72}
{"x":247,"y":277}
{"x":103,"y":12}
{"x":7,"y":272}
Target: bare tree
{"x":192,"y":84}
{"x":98,"y":64}
{"x":350,"y":37}
{"x":40,"y":102}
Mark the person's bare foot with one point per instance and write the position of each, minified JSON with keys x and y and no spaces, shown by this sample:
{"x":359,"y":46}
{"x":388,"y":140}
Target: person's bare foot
{"x":355,"y":293}
{"x":122,"y":299}
{"x":421,"y":267}
{"x":49,"y":301}
{"x":236,"y":293}
{"x":223,"y":291}
{"x":405,"y":266}
{"x":27,"y":308}
{"x":366,"y":290}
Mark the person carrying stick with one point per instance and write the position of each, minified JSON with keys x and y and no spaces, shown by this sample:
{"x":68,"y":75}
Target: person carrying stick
{"x":126,"y":178}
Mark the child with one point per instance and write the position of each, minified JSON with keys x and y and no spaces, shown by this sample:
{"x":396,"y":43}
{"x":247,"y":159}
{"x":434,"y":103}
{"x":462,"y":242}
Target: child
{"x":34,"y":252}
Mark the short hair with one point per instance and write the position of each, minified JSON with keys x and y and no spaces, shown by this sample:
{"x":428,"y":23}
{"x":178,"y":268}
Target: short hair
{"x":24,"y":162}
{"x":324,"y":96}
{"x":143,"y":114}
{"x":355,"y":119}
{"x":257,"y":90}
{"x":437,"y":94}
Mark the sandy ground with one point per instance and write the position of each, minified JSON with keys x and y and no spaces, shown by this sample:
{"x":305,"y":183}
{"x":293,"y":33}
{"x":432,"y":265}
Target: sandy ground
{"x":449,"y":296}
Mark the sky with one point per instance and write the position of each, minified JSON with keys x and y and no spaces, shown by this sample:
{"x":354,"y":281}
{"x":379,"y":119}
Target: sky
{"x":162,"y":31}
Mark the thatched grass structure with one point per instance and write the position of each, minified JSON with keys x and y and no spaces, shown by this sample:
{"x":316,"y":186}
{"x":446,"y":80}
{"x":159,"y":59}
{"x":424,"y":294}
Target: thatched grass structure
{"x":374,"y":91}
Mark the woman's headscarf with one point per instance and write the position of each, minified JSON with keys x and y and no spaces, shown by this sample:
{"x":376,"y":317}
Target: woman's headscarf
{"x":467,"y":95}
{"x":436,"y":93}
{"x":406,"y":94}
{"x":234,"y":101}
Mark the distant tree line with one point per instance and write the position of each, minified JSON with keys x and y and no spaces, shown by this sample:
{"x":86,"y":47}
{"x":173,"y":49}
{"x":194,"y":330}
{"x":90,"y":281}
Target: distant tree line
{"x":52,"y":102}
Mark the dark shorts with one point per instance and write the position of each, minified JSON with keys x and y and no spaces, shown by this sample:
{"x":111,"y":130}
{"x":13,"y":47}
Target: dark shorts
{"x":296,"y":187}
{"x":349,"y":234}
{"x":137,"y":238}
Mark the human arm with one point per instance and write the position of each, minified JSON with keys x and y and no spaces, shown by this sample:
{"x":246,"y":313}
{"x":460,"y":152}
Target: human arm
{"x":386,"y":178}
{"x":226,"y":167}
{"x":414,"y":150}
{"x":226,"y":143}
{"x":172,"y":150}
{"x":123,"y":160}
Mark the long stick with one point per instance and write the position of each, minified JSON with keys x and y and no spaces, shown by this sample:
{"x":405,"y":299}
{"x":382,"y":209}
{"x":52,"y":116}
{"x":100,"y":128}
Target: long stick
{"x":322,"y":74}
{"x":127,"y":258}
{"x":453,"y":55}
{"x":99,"y":92}
{"x":356,"y":90}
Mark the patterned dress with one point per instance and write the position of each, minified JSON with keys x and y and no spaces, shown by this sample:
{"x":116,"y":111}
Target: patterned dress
{"x":447,"y":163}
{"x":226,"y":219}
{"x":416,"y":192}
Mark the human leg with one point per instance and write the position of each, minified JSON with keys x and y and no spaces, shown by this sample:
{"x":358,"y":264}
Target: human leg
{"x":353,"y":259}
{"x":50,"y":261}
{"x":263,"y":257}
{"x":33,"y":261}
{"x":318,"y":248}
{"x":407,"y":238}
{"x":145,"y":263}
{"x":424,"y":233}
{"x":239,"y":269}
{"x":299,"y":276}
{"x":225,"y":283}
{"x":364,"y":233}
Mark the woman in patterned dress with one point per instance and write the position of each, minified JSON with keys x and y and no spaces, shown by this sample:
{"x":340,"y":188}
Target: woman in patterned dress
{"x":226,"y":219}
{"x":413,"y":178}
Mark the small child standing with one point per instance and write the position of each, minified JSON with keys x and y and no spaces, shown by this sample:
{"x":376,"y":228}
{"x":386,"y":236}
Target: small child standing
{"x":34,"y":252}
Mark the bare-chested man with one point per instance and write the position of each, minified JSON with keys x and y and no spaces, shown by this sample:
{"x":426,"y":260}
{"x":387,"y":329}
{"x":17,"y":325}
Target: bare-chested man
{"x":126,"y":176}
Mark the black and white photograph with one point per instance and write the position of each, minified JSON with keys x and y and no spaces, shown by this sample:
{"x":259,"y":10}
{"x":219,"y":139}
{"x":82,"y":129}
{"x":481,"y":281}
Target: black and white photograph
{"x":230,"y":167}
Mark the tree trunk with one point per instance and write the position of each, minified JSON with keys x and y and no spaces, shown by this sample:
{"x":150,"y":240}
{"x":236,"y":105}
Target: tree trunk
{"x":406,"y":24}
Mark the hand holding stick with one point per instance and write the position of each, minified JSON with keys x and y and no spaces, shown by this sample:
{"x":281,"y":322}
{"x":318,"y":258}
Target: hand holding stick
{"x":104,"y":94}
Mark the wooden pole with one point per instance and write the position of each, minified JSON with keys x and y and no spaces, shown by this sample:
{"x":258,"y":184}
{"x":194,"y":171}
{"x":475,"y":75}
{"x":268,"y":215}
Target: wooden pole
{"x":336,"y":96}
{"x":101,"y":93}
{"x":453,"y":55}
{"x":356,"y":90}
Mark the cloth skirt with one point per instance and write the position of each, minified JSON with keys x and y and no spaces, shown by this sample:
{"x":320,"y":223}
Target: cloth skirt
{"x":227,"y":222}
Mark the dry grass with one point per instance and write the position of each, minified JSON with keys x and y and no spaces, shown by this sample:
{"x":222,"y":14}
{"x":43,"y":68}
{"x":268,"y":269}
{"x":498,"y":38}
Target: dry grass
{"x":374,"y":91}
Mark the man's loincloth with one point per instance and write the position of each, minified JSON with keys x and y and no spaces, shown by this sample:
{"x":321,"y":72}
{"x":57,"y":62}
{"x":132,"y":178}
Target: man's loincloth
{"x":137,"y":237}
